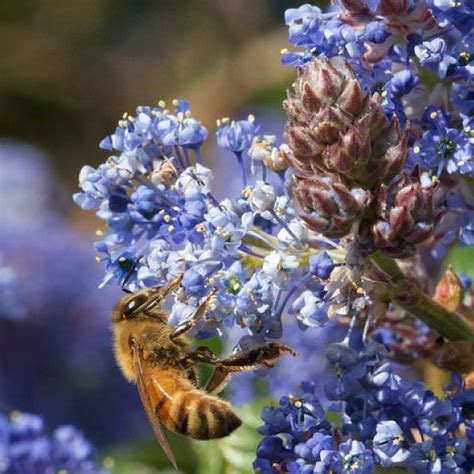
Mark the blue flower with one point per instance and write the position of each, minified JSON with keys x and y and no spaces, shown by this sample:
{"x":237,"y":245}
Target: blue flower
{"x":295,"y":58}
{"x":433,"y":54}
{"x":376,"y":32}
{"x":466,"y":280}
{"x":236,"y":136}
{"x":459,"y":14}
{"x":390,"y":444}
{"x":310,"y":310}
{"x":462,"y":97}
{"x":183,"y":129}
{"x":153,"y":127}
{"x":343,"y":39}
{"x":355,"y":457}
{"x":28,"y":449}
{"x":424,"y":458}
{"x":96,"y":186}
{"x":402,"y":83}
{"x":445,"y":148}
{"x":304,"y":25}
{"x":321,"y":265}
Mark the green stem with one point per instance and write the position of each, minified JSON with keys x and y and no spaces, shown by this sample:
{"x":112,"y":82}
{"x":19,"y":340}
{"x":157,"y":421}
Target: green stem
{"x":405,"y":293}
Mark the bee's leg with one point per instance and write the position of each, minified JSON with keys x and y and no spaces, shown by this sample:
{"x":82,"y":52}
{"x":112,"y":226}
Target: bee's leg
{"x":264,"y":356}
{"x":198,"y":314}
{"x":161,"y":292}
{"x":202,"y":354}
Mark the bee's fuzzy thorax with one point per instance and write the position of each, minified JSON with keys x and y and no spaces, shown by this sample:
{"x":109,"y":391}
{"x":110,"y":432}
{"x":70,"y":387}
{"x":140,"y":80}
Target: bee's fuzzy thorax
{"x":152,"y":333}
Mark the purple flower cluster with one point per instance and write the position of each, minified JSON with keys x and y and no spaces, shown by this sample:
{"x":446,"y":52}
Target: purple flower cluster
{"x":27,"y":447}
{"x":377,"y":418}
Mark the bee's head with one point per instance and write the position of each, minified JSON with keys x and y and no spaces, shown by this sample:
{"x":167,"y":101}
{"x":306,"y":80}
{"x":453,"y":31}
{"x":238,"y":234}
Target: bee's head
{"x":142,"y":302}
{"x":131,"y":305}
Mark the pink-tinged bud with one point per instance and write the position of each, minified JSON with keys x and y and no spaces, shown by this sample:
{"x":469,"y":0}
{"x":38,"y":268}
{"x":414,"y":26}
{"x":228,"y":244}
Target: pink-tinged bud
{"x":449,"y":291}
{"x":295,"y":109}
{"x":322,"y":81}
{"x":469,"y":381}
{"x":373,"y":117}
{"x":356,"y":7}
{"x":329,"y":206}
{"x":392,"y":7}
{"x":457,"y":356}
{"x":302,"y":142}
{"x":329,"y":123}
{"x":404,"y":216}
{"x":300,"y":165}
{"x":335,"y":127}
{"x":350,"y":154}
{"x":352,"y":97}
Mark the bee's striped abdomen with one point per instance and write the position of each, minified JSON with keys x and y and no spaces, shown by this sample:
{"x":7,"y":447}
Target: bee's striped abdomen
{"x":183,"y":409}
{"x":198,"y":415}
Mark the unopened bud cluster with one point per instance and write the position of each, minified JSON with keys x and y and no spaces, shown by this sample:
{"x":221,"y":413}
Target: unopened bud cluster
{"x":345,"y":154}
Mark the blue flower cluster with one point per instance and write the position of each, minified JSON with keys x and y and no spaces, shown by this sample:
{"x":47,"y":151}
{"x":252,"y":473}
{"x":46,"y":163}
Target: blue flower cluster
{"x":418,"y":56}
{"x":388,"y":43}
{"x":163,"y":220}
{"x":377,"y":418}
{"x":26,"y":447}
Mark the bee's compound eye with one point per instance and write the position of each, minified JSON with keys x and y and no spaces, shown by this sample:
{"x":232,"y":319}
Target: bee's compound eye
{"x":132,"y":306}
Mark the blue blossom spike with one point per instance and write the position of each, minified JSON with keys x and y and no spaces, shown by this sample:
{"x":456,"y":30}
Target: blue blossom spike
{"x":237,"y":137}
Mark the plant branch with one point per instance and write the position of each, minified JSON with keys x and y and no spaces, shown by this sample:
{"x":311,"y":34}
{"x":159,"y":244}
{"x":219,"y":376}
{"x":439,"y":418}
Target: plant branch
{"x":406,"y":293}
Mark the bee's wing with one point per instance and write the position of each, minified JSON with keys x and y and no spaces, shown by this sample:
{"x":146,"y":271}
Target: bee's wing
{"x":218,"y":380}
{"x":149,"y":410}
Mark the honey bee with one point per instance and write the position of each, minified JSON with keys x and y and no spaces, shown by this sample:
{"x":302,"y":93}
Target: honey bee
{"x":163,"y":363}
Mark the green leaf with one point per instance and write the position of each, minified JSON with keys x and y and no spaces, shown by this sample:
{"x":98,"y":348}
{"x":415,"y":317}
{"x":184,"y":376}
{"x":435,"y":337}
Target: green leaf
{"x":462,"y":260}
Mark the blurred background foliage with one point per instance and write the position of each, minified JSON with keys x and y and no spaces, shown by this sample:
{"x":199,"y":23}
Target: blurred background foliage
{"x":68,"y":71}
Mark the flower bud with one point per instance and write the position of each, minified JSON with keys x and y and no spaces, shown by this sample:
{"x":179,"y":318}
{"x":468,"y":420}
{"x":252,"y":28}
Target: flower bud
{"x":405,"y":216}
{"x":275,"y":161}
{"x":262,"y":197}
{"x":449,"y":291}
{"x":164,"y":172}
{"x":329,"y":206}
{"x":335,"y":127}
{"x":392,"y":7}
{"x":265,"y":150}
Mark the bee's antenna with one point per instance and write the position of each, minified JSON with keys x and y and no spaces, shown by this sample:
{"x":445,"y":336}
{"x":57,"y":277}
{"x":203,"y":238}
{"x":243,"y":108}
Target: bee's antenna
{"x":129,"y":274}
